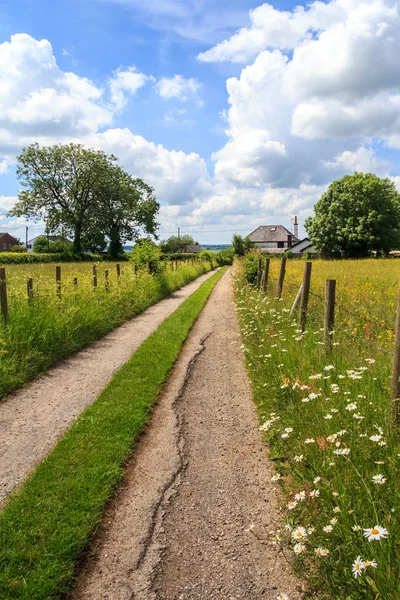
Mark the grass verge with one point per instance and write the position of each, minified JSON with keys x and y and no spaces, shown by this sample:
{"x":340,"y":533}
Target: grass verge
{"x":49,"y":329}
{"x":326,"y":417}
{"x":45,"y":527}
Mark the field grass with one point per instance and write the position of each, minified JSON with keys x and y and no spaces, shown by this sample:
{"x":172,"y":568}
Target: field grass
{"x":50,"y":328}
{"x":326,"y":418}
{"x":47,"y":525}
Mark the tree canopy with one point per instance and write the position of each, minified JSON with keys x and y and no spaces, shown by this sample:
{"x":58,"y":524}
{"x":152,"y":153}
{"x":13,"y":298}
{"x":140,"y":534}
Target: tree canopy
{"x":358,"y":214}
{"x":241,"y":245}
{"x":175,"y":243}
{"x":85,"y":193}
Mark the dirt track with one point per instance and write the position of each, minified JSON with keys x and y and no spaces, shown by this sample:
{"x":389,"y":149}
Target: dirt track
{"x":199,"y":477}
{"x":34,"y":418}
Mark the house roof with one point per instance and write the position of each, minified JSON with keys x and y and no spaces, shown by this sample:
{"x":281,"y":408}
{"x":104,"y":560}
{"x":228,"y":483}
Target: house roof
{"x":191,"y":249}
{"x":6,"y":233}
{"x":270,"y":233}
{"x":303,"y":241}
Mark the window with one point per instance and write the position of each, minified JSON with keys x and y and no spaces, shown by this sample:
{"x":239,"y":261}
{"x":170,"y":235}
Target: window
{"x":4,"y":246}
{"x":273,"y":228}
{"x":281,"y":244}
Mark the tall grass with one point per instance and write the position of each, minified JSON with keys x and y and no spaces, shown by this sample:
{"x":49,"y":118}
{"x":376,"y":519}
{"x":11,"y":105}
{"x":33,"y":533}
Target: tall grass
{"x":39,"y":333}
{"x":326,"y":418}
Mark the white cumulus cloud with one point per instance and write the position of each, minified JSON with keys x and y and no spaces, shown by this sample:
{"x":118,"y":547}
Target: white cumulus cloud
{"x":126,"y":82}
{"x":178,"y":87}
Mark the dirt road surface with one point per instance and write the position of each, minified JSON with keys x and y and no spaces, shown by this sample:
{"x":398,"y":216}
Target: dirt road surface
{"x":198,"y":479}
{"x":34,"y":418}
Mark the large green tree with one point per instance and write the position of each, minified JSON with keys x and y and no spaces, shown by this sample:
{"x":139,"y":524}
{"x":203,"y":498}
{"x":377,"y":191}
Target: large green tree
{"x":358,"y":214}
{"x":85,"y":193}
{"x":61,"y":185}
{"x":127,"y":207}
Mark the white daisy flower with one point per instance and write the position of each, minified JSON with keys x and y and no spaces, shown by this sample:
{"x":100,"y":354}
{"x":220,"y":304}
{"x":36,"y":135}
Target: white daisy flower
{"x":299,"y":548}
{"x":371,"y":563}
{"x":358,"y":567}
{"x":300,"y":496}
{"x":379,"y":479}
{"x":376,"y":533}
{"x":328,"y":529}
{"x":299,"y":533}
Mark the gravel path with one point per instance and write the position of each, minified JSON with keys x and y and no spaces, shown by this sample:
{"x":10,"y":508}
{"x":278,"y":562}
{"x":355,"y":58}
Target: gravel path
{"x":34,"y":418}
{"x":199,"y":477}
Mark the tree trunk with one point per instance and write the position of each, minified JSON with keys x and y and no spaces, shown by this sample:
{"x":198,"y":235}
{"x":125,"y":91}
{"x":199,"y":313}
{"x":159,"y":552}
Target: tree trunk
{"x":116,"y":248}
{"x":77,"y":238}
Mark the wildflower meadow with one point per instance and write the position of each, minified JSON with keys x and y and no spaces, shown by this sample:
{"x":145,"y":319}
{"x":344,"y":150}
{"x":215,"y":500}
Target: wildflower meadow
{"x":326,"y":416}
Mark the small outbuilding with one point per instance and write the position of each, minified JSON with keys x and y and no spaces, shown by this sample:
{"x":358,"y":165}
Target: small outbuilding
{"x":7,"y":241}
{"x":191,"y":249}
{"x":304,"y":247}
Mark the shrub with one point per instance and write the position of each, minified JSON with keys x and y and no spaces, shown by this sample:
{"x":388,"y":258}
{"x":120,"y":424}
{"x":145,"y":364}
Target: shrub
{"x":225,"y":257}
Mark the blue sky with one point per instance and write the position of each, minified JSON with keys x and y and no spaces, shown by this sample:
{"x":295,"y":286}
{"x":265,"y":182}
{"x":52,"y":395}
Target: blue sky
{"x":236,"y":118}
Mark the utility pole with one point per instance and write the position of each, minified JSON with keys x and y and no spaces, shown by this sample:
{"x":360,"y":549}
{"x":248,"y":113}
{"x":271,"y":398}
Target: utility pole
{"x":26,"y":238}
{"x":179,"y":234}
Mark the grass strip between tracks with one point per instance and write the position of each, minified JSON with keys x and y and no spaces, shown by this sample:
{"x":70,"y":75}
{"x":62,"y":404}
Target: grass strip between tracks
{"x":45,"y":527}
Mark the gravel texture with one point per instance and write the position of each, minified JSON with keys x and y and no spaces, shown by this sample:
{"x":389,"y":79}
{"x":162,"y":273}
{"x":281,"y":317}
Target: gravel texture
{"x":178,"y":527}
{"x":34,"y":418}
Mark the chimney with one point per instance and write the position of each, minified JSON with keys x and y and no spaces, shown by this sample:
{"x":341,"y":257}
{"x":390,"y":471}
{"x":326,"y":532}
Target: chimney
{"x":289,"y":240}
{"x":296,"y":228}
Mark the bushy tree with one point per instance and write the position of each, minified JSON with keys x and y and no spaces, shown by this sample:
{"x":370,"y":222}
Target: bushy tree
{"x":174,"y":244}
{"x":241,"y":245}
{"x":146,"y":252}
{"x":84,"y":192}
{"x":42,"y":245}
{"x":18,"y":248}
{"x":127,"y":205}
{"x":358,"y":214}
{"x":237,"y":244}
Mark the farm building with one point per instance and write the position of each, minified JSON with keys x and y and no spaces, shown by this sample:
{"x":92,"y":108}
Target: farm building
{"x":7,"y":241}
{"x":51,"y":238}
{"x":303,"y":247}
{"x":191,"y":249}
{"x":275,"y":239}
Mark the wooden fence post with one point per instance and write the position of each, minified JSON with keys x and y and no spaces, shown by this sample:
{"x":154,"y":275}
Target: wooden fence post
{"x":3,"y":295}
{"x":75,"y":284}
{"x":106,"y":280}
{"x":58,"y":282}
{"x":136,"y":270}
{"x":395,"y":387}
{"x":95,"y":276}
{"x":265,"y":275}
{"x":259,"y":272}
{"x":118,"y":270}
{"x":296,"y":301}
{"x":305,"y":294}
{"x":281,"y":278}
{"x":329,"y":317}
{"x":29,"y":285}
